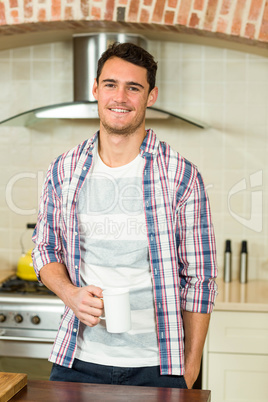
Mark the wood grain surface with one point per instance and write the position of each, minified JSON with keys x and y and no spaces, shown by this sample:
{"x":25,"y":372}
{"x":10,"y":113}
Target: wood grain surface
{"x":10,"y":384}
{"x":53,"y":391}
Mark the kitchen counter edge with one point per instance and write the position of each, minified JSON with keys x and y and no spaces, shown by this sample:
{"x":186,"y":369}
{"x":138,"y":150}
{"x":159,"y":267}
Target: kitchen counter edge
{"x":249,"y":297}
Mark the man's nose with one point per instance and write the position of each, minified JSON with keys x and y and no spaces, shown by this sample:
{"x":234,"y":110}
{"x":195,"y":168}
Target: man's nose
{"x":120,"y":95}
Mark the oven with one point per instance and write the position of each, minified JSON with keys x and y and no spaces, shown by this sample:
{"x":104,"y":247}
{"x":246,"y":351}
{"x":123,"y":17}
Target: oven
{"x":30,"y":315}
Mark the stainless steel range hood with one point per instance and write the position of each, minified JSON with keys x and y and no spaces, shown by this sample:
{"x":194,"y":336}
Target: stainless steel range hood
{"x":87,"y":49}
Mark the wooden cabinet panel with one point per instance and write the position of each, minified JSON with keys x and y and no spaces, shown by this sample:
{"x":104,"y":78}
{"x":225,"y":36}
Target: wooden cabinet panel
{"x":237,"y":378}
{"x":238,"y":332}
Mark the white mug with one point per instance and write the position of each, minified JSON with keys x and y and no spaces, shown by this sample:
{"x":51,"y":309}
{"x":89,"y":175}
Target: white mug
{"x":117,"y":310}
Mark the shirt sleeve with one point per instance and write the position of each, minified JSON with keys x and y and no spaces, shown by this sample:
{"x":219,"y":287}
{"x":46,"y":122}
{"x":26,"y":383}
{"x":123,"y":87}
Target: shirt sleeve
{"x":46,"y":236}
{"x":196,"y":252}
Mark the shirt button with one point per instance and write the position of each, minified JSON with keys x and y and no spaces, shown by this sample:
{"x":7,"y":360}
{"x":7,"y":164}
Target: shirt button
{"x":84,"y":168}
{"x":75,"y":233}
{"x":76,"y":267}
{"x":147,"y":204}
{"x":75,"y":330}
{"x":152,"y":237}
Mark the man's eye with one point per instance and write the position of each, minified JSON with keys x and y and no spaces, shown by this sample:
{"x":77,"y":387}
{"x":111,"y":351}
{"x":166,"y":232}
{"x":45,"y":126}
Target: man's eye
{"x":109,"y":85}
{"x":133,"y":89}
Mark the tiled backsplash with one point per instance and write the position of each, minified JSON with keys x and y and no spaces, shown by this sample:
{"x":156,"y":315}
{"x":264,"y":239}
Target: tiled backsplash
{"x":225,"y":88}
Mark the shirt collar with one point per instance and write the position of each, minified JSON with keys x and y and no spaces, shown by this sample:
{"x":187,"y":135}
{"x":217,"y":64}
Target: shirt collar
{"x":150,"y":143}
{"x":148,"y":146}
{"x":92,"y":142}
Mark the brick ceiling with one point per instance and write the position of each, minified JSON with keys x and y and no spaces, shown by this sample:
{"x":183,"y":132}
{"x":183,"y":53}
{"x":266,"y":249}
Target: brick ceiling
{"x":244,"y":21}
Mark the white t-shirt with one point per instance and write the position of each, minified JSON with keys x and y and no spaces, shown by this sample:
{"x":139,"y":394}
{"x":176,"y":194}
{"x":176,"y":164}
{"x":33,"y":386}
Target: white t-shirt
{"x":114,"y":253}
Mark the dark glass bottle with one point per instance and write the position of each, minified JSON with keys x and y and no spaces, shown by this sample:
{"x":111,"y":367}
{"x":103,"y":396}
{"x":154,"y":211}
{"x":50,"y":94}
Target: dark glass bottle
{"x":227,"y":262}
{"x":243,"y":274}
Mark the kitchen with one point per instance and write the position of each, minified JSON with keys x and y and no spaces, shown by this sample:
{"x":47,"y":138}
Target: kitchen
{"x":221,"y":82}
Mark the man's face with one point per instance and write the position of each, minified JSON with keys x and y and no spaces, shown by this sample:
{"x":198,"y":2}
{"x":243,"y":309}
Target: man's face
{"x":123,"y":95}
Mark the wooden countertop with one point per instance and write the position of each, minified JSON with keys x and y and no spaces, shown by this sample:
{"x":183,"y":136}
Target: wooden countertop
{"x":234,"y":296}
{"x":53,"y":391}
{"x":6,"y":273}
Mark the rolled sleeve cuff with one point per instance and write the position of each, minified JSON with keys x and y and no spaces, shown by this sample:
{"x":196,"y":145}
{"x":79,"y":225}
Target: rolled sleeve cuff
{"x":43,"y":257}
{"x":199,"y":300}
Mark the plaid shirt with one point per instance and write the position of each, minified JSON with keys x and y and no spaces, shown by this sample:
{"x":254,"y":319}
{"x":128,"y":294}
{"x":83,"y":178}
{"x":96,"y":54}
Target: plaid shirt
{"x":180,"y":239}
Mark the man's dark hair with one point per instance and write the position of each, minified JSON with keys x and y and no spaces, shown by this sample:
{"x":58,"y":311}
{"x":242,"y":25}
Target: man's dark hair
{"x":133,"y":54}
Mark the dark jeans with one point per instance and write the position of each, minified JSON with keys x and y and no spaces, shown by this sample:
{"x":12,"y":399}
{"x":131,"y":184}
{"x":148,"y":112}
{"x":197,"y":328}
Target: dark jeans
{"x":101,"y":374}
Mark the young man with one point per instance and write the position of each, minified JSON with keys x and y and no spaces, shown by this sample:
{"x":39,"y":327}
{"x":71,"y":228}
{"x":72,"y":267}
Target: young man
{"x":125,"y":210}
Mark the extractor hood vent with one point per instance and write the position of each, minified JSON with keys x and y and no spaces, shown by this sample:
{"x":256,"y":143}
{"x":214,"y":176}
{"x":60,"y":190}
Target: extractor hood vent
{"x":87,"y":49}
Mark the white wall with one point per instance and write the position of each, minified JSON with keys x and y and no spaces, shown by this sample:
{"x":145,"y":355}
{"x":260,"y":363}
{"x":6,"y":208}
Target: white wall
{"x":225,"y":88}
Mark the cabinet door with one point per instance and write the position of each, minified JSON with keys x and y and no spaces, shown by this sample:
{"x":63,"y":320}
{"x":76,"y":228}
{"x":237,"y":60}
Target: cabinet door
{"x":238,"y":378}
{"x":238,"y":332}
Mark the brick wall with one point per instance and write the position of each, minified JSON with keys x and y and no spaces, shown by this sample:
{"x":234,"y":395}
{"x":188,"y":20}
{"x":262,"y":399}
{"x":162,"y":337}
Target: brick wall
{"x":246,"y":20}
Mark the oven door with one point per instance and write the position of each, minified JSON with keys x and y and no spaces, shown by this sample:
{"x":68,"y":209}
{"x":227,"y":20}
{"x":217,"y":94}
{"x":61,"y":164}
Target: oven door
{"x":24,"y":351}
{"x":36,"y":369}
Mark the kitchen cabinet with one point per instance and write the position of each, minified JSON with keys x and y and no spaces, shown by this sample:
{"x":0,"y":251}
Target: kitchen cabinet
{"x":235,"y":359}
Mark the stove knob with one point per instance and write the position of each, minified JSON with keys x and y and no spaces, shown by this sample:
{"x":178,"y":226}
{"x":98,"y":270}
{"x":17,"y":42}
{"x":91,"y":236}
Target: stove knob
{"x":18,"y":318}
{"x":2,"y":317}
{"x":35,"y":320}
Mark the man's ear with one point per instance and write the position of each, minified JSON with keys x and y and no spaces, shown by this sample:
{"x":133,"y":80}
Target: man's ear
{"x":152,"y":97}
{"x":95,"y":89}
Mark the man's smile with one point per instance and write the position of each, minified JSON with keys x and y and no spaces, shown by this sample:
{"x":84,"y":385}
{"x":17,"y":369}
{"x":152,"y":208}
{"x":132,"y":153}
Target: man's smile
{"x":119,"y":110}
